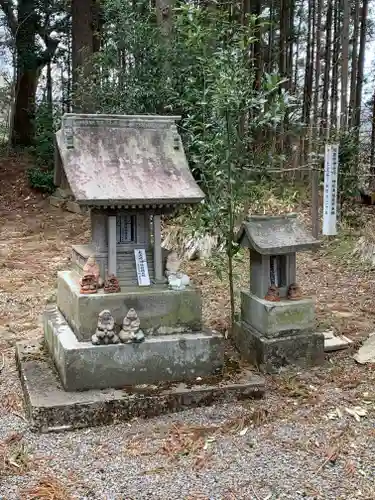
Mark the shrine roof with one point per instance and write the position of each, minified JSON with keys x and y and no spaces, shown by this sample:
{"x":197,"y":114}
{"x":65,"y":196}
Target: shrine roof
{"x":120,"y":160}
{"x":275,"y":235}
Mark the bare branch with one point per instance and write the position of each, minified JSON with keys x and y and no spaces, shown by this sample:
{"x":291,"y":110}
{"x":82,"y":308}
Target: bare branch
{"x":8,"y":9}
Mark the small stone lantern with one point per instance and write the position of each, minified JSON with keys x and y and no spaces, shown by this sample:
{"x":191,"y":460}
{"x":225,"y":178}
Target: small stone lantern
{"x":277,"y":321}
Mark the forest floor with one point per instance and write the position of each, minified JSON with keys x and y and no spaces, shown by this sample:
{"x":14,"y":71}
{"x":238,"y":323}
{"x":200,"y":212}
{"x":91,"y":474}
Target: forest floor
{"x":298,"y":442}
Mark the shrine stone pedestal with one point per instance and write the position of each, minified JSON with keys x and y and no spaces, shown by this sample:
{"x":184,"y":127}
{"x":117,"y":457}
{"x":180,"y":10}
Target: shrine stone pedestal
{"x":277,"y":326}
{"x":160,"y":358}
{"x":161,"y":311}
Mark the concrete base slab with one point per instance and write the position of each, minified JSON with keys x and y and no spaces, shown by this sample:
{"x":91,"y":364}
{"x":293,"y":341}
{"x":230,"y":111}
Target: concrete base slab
{"x":160,"y":310}
{"x":334,"y":342}
{"x":84,"y":366}
{"x":50,"y":408}
{"x":366,"y":353}
{"x":269,"y":355}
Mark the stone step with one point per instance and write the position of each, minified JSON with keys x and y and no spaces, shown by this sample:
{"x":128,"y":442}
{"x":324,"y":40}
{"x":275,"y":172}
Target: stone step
{"x":51,"y":409}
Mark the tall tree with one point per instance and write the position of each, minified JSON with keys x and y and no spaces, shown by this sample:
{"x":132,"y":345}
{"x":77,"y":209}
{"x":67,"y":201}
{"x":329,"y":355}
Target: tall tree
{"x":344,"y":65}
{"x":361,"y":64}
{"x":86,"y":28}
{"x":327,"y":72}
{"x":25,"y":24}
{"x":335,"y":65}
{"x":308,"y":85}
{"x":354,"y":69}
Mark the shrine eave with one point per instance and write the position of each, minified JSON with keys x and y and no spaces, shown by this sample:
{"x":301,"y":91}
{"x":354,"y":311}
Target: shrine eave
{"x":137,"y":204}
{"x":275,"y":235}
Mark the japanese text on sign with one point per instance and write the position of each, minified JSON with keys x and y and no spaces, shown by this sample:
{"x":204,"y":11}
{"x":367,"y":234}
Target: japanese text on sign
{"x":331,"y":165}
{"x":142,"y":267}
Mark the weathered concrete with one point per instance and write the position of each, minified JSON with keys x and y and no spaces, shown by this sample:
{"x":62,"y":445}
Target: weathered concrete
{"x":275,"y":319}
{"x":83,"y":366}
{"x":50,"y":408}
{"x":159,"y":309}
{"x":270,"y":354}
{"x":125,"y":160}
{"x":366,"y":353}
{"x":275,"y":235}
{"x":334,"y":342}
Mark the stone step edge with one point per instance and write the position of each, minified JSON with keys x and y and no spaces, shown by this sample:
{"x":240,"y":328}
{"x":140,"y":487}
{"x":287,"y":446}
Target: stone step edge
{"x":51,"y":409}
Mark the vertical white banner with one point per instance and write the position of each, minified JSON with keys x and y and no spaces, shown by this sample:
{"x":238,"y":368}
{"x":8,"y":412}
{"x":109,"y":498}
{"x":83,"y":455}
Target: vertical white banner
{"x":142,"y":267}
{"x":331,"y":166}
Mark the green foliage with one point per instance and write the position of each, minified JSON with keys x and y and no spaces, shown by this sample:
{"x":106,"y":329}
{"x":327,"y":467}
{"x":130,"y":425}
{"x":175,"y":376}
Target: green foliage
{"x":46,"y":121}
{"x":42,"y":180}
{"x":348,"y":160}
{"x":43,"y":149}
{"x":202,"y":71}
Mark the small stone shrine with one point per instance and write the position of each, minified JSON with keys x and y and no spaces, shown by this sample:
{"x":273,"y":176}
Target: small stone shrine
{"x":277,"y":325}
{"x":120,"y":319}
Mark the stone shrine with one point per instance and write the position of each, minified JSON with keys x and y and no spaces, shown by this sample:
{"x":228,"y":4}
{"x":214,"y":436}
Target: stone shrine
{"x":117,"y":321}
{"x":277,"y":325}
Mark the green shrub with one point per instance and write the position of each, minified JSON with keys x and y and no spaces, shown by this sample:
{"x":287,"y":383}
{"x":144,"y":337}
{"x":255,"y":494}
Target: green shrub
{"x":40,"y":179}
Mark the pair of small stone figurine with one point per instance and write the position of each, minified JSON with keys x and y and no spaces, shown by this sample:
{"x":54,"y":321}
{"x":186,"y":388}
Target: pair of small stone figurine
{"x":294,"y":293}
{"x":91,"y":280}
{"x":106,"y":329}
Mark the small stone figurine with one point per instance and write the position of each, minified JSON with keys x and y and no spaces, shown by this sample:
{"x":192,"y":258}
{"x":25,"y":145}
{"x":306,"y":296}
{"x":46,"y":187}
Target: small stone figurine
{"x":294,"y":292}
{"x":273,"y":294}
{"x":173,"y":263}
{"x":91,"y":268}
{"x":105,"y":331}
{"x":131,"y":331}
{"x":176,"y":279}
{"x":111,"y":284}
{"x":89,"y":284}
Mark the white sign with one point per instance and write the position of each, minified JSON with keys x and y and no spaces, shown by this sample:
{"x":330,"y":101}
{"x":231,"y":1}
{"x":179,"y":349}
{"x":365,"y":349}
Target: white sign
{"x":142,"y":267}
{"x":331,"y":167}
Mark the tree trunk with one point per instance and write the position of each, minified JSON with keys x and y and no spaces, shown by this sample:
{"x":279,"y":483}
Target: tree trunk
{"x":353,"y":76}
{"x":297,"y":39}
{"x":314,"y":130}
{"x":283,"y":48}
{"x":372,"y":150}
{"x":308,"y":85}
{"x":335,"y":66}
{"x":291,"y":40}
{"x":29,"y":64}
{"x":344,"y":66}
{"x":307,"y":93}
{"x":49,"y":90}
{"x":271,"y":36}
{"x":324,"y":130}
{"x":361,"y":63}
{"x":23,"y":123}
{"x":85,"y":42}
{"x":318,"y":36}
{"x":256,"y":9}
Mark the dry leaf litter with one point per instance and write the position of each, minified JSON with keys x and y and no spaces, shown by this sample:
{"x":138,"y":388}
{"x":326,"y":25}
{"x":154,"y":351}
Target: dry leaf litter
{"x":312,"y":436}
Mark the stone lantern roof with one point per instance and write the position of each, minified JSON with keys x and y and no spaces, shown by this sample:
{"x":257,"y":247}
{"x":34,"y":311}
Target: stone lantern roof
{"x":275,"y":235}
{"x":118,"y":161}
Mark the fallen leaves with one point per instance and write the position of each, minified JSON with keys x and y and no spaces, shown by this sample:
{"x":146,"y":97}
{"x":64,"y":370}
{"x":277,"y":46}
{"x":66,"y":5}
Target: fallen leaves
{"x":47,"y":488}
{"x":184,"y":441}
{"x":15,"y":455}
{"x":357,"y":412}
{"x":198,"y":441}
